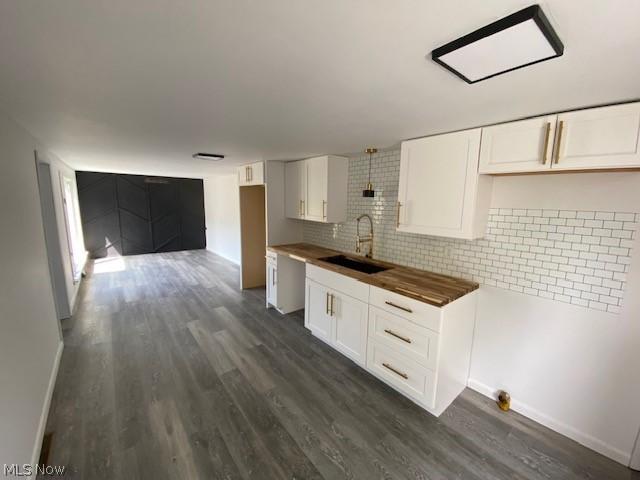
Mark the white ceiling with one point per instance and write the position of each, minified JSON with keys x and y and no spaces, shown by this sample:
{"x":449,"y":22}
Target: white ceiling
{"x":139,"y":85}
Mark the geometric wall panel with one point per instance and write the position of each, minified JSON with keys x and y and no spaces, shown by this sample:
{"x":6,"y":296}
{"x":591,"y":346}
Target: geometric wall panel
{"x":135,"y":214}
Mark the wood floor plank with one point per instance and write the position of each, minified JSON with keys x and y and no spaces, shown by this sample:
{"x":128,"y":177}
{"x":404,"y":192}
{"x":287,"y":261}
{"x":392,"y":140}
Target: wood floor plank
{"x":171,"y":371}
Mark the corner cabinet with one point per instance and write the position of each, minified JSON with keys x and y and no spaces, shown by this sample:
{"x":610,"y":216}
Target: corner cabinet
{"x":252,"y":174}
{"x":316,"y":189}
{"x":591,"y":139}
{"x":440,"y":191}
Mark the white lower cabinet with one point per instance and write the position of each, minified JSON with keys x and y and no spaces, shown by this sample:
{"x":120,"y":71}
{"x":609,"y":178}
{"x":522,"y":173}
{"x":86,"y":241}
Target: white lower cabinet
{"x":316,"y":312}
{"x":422,"y":351}
{"x":350,"y":326}
{"x":402,"y":373}
{"x":285,"y":291}
{"x":272,"y":285}
{"x":338,"y":319}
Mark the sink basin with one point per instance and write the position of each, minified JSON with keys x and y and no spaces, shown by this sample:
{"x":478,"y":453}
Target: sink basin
{"x":353,"y":264}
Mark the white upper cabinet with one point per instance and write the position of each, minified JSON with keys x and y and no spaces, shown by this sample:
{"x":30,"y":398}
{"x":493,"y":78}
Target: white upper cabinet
{"x":295,"y":185}
{"x":317,"y":179}
{"x":590,"y":139}
{"x":440,"y":191}
{"x":252,"y":174}
{"x":605,"y":137}
{"x":524,"y":146}
{"x":316,"y":189}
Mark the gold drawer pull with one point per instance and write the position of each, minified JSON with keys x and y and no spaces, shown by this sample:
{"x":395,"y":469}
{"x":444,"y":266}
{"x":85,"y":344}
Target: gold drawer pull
{"x":397,"y":372}
{"x":546,"y":143}
{"x":559,"y":142}
{"x":400,"y":307}
{"x":394,"y":334}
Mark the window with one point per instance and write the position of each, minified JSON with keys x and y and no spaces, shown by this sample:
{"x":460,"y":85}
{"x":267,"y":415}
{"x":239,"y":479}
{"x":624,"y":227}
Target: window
{"x":72,"y":222}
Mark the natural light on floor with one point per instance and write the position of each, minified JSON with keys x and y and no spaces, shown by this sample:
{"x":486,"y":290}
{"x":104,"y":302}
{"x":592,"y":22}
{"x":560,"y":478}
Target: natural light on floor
{"x":108,"y":265}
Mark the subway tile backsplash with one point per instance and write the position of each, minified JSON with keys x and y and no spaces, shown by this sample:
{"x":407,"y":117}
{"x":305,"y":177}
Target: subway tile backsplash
{"x":577,"y":257}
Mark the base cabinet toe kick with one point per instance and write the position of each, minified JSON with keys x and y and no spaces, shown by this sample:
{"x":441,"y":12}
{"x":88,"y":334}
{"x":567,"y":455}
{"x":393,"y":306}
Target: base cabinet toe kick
{"x":420,"y":350}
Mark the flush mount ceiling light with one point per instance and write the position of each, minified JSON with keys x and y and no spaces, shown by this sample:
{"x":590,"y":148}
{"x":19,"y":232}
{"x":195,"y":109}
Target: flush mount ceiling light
{"x":208,"y":156}
{"x":521,"y":39}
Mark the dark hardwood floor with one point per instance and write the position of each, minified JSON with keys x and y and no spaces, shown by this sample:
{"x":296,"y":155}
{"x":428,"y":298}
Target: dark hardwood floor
{"x":170,"y":371}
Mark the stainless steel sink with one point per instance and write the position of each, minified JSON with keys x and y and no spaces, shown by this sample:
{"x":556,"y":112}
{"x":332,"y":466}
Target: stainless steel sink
{"x":353,"y":264}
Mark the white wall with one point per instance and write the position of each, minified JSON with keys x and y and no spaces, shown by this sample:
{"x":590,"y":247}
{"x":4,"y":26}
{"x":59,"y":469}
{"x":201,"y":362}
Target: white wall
{"x":280,"y":229}
{"x":30,"y":342}
{"x":570,"y":368}
{"x":222,"y":213}
{"x":58,"y":169}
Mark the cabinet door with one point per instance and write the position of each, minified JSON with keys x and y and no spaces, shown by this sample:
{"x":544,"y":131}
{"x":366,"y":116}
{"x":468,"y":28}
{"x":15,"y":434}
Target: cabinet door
{"x":604,"y":137}
{"x":243,"y":175}
{"x":316,"y":181}
{"x":524,"y":146}
{"x":316,"y":312}
{"x":350,"y":324}
{"x":438,"y":184}
{"x":272,"y":284}
{"x":294,"y":189}
{"x":256,"y":173}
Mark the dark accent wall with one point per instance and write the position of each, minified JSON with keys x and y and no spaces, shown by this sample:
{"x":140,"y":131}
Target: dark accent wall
{"x":134,"y":214}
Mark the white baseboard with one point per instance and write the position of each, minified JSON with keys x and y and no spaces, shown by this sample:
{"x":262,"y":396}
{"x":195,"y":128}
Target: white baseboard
{"x":555,"y":424}
{"x":47,"y":403}
{"x":232,"y":260}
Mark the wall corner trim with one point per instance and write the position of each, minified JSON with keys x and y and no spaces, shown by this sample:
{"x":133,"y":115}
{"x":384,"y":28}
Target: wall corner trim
{"x":556,"y":425}
{"x":47,"y":404}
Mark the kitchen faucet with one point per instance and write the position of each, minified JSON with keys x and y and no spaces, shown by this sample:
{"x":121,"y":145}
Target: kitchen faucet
{"x":365,"y":239}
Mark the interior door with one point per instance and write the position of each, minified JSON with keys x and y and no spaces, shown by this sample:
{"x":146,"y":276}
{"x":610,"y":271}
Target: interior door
{"x":437,"y":182}
{"x":294,"y":189}
{"x":606,"y":137}
{"x":317,"y":170}
{"x":317,"y":318}
{"x":524,"y":146}
{"x":350,"y":324}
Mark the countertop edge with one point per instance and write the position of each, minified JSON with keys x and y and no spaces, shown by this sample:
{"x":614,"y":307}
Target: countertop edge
{"x":465,"y":286}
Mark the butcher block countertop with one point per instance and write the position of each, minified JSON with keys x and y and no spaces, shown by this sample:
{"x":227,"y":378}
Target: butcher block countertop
{"x":421,"y":285}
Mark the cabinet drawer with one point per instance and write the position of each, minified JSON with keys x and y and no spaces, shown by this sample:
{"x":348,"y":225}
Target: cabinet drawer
{"x":336,"y":281}
{"x":272,"y":257}
{"x":418,"y":312}
{"x":401,"y":335}
{"x":402,"y":373}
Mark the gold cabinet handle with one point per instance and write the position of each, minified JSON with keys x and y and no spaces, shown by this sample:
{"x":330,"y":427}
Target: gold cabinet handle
{"x":251,"y":174}
{"x":246,"y":174}
{"x":303,"y":208}
{"x":558,"y":141}
{"x":398,"y":214}
{"x":399,"y":306}
{"x":331,"y":310}
{"x":326,"y":307}
{"x":324,"y":209}
{"x":396,"y":371}
{"x":394,"y":334}
{"x":546,"y":143}
{"x":273,"y":276}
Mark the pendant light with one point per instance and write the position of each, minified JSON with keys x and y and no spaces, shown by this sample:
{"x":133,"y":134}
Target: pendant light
{"x":369,"y":191}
